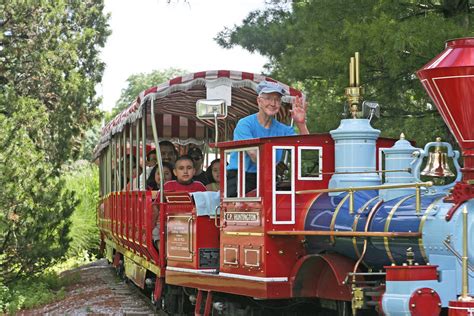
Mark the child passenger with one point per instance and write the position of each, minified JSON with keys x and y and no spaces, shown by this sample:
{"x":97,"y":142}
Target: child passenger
{"x":214,"y":175}
{"x":153,"y":181}
{"x":184,"y":172}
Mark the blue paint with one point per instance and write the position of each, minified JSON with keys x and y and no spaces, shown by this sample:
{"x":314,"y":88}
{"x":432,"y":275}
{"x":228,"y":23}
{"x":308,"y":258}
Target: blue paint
{"x":398,"y":157}
{"x":355,"y":145}
{"x":438,"y":234}
{"x":404,"y":219}
{"x":395,"y":301}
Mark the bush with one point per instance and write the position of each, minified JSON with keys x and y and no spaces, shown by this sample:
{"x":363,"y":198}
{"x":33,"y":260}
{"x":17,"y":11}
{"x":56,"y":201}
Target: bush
{"x":33,"y":292}
{"x":82,"y":178}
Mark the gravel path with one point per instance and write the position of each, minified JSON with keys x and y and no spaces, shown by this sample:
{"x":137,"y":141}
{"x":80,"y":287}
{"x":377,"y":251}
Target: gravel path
{"x":99,"y":291}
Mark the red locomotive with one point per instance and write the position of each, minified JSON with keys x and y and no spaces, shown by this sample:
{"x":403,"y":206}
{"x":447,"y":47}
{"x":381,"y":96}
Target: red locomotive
{"x":348,"y":227}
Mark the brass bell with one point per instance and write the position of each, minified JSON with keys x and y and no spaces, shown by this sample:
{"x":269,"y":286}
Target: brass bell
{"x":437,"y":165}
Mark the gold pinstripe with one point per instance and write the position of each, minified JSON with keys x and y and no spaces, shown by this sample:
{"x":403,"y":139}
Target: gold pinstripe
{"x":422,"y":223}
{"x":333,"y":220}
{"x":356,"y":221}
{"x":387,"y":225}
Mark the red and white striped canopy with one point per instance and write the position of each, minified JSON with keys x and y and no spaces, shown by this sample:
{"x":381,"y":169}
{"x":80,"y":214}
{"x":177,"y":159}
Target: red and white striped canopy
{"x":175,"y":107}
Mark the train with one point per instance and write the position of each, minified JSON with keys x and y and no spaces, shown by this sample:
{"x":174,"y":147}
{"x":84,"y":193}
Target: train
{"x":357,"y":223}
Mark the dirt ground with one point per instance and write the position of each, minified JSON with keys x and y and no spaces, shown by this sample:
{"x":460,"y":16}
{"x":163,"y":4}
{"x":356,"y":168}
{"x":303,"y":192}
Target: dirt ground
{"x":98,"y":292}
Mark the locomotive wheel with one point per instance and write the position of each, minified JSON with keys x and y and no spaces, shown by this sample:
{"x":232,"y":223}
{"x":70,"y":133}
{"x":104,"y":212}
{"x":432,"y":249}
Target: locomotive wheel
{"x":174,"y":302}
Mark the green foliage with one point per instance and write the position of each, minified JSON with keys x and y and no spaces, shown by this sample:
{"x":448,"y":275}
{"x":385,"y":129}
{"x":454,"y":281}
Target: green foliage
{"x":137,"y":83}
{"x":34,"y":207}
{"x":36,"y":291}
{"x":53,"y":57}
{"x":91,"y":138}
{"x":48,"y":72}
{"x":82,"y":178}
{"x":78,"y":259}
{"x":311,"y":42}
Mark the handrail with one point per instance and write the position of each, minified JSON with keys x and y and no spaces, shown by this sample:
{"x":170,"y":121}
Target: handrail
{"x":351,"y":191}
{"x":370,"y":187}
{"x":157,"y":146}
{"x":344,"y":233}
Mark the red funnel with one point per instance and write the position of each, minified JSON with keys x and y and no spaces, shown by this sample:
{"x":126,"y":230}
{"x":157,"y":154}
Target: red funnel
{"x":449,"y":81}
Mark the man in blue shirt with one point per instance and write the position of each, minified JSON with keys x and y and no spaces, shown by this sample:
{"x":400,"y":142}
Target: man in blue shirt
{"x":263,"y":124}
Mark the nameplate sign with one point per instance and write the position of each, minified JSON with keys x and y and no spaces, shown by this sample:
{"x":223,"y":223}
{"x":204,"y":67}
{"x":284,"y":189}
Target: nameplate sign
{"x":242,"y":218}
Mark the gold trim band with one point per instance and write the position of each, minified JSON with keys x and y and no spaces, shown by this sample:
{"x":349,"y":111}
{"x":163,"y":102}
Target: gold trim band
{"x":334,"y":216}
{"x":422,"y":224}
{"x":243,"y":234}
{"x":387,"y":226}
{"x":356,"y":221}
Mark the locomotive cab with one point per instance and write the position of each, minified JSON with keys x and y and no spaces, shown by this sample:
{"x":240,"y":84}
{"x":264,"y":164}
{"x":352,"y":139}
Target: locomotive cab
{"x":249,"y":247}
{"x":247,"y":252}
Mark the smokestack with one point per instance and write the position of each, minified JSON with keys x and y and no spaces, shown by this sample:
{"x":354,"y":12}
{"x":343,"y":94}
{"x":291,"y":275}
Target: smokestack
{"x":449,"y":81}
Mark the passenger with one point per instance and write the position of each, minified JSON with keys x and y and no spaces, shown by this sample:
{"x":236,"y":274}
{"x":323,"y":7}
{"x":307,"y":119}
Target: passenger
{"x":126,"y":170}
{"x":132,"y":185}
{"x":197,"y":157}
{"x":149,"y":164}
{"x":184,"y":172}
{"x":153,"y":181}
{"x":214,"y":175}
{"x":168,"y":152}
{"x":263,"y":124}
{"x":153,"y":184}
{"x":150,"y":161}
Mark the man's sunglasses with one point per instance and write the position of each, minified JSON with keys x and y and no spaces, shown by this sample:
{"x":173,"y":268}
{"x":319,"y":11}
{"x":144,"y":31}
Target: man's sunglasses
{"x":196,"y":158}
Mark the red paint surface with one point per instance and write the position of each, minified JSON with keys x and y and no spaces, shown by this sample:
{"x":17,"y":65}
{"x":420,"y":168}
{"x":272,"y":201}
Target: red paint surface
{"x":411,"y":273}
{"x":425,"y":302}
{"x":458,"y":308}
{"x":448,"y":79}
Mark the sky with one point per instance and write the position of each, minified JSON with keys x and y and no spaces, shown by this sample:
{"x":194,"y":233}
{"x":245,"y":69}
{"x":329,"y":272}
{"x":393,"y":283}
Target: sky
{"x":156,"y":35}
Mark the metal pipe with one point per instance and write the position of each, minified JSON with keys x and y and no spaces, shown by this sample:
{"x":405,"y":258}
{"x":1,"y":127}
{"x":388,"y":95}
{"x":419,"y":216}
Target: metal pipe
{"x":367,"y":273}
{"x":157,"y":146}
{"x":345,"y":233}
{"x":137,"y":149}
{"x":108,"y":159}
{"x":366,"y":228}
{"x":351,"y":73}
{"x":362,"y":172}
{"x":108,"y":171}
{"x":130,"y":165}
{"x":456,"y":254}
{"x":143,"y":151}
{"x":465,"y":277}
{"x":417,"y":200}
{"x":351,"y":201}
{"x":217,"y":135}
{"x":356,"y":75}
{"x":119,"y":167}
{"x":114,"y":165}
{"x":374,"y":187}
{"x":124,"y":148}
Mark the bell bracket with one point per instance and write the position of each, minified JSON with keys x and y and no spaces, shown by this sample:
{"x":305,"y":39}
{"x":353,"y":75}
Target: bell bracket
{"x":420,"y":154}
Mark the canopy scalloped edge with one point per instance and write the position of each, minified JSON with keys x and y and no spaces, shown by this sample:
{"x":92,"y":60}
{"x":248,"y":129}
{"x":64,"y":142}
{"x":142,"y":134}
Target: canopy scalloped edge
{"x":235,"y":79}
